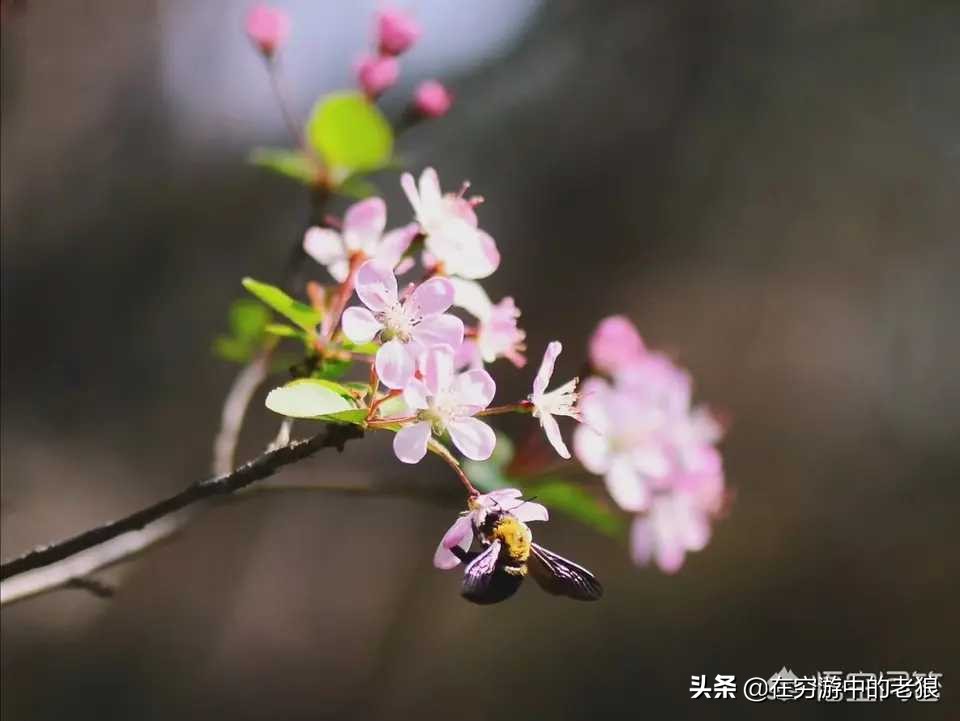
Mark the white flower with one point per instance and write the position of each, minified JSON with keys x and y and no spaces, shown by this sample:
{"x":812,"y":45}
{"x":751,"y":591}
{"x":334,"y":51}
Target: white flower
{"x":559,"y":402}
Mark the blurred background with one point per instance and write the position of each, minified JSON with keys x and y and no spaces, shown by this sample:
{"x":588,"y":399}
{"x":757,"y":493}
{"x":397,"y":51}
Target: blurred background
{"x":769,"y":189}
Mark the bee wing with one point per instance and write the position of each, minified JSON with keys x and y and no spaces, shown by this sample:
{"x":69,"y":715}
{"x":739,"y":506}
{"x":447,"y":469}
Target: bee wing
{"x":485,"y":581}
{"x":562,"y":577}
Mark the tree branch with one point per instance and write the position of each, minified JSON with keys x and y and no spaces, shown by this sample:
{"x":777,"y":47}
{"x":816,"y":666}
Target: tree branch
{"x":264,"y":466}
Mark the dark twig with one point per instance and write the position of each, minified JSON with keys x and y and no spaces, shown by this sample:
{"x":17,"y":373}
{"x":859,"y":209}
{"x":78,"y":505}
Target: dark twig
{"x":333,"y":436}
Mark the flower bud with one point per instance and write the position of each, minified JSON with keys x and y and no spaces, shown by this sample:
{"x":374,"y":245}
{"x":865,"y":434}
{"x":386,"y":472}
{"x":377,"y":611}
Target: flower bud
{"x":396,"y":31}
{"x":377,"y":74}
{"x":432,"y":100}
{"x":267,"y":27}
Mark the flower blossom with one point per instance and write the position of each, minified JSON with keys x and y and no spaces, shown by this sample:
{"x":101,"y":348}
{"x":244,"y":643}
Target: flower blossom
{"x":445,"y":401}
{"x":614,"y":344}
{"x":267,"y":27}
{"x":362,"y":232}
{"x":461,"y":533}
{"x":450,"y":226}
{"x":497,"y":334}
{"x":561,"y":401}
{"x":376,"y":74}
{"x":432,"y":99}
{"x":406,"y":327}
{"x":396,"y":31}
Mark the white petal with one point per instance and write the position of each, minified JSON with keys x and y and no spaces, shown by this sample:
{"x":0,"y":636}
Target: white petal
{"x":528,"y":511}
{"x":363,"y":224}
{"x":323,"y":245}
{"x":592,"y":450}
{"x":438,"y":369}
{"x":475,"y":439}
{"x":377,"y":287}
{"x":474,"y":389}
{"x":394,"y":365}
{"x":410,"y":443}
{"x":552,"y":430}
{"x":410,"y":190}
{"x":459,"y":534}
{"x":416,"y":394}
{"x":394,"y":244}
{"x":439,"y":330}
{"x":359,"y":325}
{"x":626,"y":486}
{"x":470,"y":295}
{"x":429,"y":186}
{"x":546,"y":367}
{"x":339,"y":269}
{"x":431,"y":298}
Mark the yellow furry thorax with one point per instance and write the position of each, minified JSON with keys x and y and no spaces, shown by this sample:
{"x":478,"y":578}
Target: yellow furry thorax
{"x":515,"y":536}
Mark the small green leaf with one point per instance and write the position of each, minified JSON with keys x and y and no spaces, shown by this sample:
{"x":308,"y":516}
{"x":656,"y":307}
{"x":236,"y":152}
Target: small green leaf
{"x":248,"y":320}
{"x":357,"y":187}
{"x":307,"y":398}
{"x":301,"y":314}
{"x":231,"y":349}
{"x":576,"y":502}
{"x":332,"y":368}
{"x":284,"y":331}
{"x":289,"y":163}
{"x":350,"y":134}
{"x":354,"y":417}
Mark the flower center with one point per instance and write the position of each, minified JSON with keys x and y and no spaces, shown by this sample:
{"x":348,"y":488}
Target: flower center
{"x":397,"y":323}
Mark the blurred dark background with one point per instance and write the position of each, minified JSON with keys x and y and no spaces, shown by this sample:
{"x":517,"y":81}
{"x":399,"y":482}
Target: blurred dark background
{"x":769,"y":189}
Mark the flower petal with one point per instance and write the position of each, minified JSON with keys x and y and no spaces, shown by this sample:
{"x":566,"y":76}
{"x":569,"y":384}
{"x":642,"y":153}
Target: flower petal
{"x":394,"y":364}
{"x":439,"y":330}
{"x":410,"y":443}
{"x":410,"y":190}
{"x":642,"y":541}
{"x":528,"y":511}
{"x":415,"y":394}
{"x":592,"y":449}
{"x":323,"y":245}
{"x":359,"y":325}
{"x":363,"y":224}
{"x":626,"y":486}
{"x":552,"y":430}
{"x":614,"y":344}
{"x":470,"y":295}
{"x":431,"y":298}
{"x":546,"y":367}
{"x":394,"y":244}
{"x":429,"y":187}
{"x":438,"y":369}
{"x":377,"y":287}
{"x":459,"y":534}
{"x":474,"y":389}
{"x":475,"y":439}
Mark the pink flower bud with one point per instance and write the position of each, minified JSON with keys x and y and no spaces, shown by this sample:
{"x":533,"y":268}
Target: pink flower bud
{"x":396,"y":31}
{"x":267,"y":27}
{"x":615,"y":344}
{"x":377,"y":74}
{"x":432,"y":99}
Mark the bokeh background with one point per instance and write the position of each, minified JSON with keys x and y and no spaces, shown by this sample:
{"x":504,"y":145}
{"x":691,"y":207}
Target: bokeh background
{"x":769,"y":189}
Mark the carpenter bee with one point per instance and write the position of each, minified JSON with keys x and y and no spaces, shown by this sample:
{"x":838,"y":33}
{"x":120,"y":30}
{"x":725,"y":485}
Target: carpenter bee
{"x":495,"y":573}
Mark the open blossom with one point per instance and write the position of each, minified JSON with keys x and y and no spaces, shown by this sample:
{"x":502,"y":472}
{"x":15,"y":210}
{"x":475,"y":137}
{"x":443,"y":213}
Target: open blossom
{"x":445,"y":401}
{"x":406,"y":327}
{"x":450,"y":226}
{"x":396,"y":31}
{"x":432,"y":99}
{"x":461,"y":533}
{"x":267,"y":27}
{"x":497,"y":334}
{"x":362,"y":232}
{"x":561,"y":401}
{"x":376,"y":74}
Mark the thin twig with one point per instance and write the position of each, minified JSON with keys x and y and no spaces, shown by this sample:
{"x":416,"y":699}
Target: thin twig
{"x":264,"y":466}
{"x":235,"y":410}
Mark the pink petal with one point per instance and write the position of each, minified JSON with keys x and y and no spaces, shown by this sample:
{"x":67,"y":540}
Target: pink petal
{"x":670,"y":555}
{"x":615,"y":343}
{"x":474,"y":389}
{"x":470,"y":295}
{"x":377,"y":287}
{"x":468,"y":356}
{"x":416,"y":394}
{"x":439,"y":330}
{"x":528,"y":511}
{"x":323,"y":245}
{"x":438,"y":369}
{"x":359,"y":325}
{"x":410,"y":443}
{"x":552,"y":429}
{"x":546,"y":367}
{"x":410,"y":190}
{"x":592,"y":449}
{"x":507,"y":497}
{"x":625,"y":485}
{"x":394,"y":365}
{"x":432,"y":297}
{"x":363,"y":223}
{"x":642,"y":541}
{"x":459,"y":534}
{"x":339,"y":269}
{"x":475,"y":439}
{"x":394,"y":244}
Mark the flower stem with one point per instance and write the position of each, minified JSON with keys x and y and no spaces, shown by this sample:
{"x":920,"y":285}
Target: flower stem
{"x":518,"y":407}
{"x":442,"y":451}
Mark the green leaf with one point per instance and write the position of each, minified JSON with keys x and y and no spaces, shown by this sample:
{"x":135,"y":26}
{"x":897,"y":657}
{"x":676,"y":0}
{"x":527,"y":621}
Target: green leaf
{"x":332,"y":368}
{"x":248,"y":320}
{"x":284,"y":331}
{"x":308,"y":398}
{"x":355,"y":417}
{"x":231,"y":349}
{"x":301,"y":314}
{"x":578,"y":503}
{"x":289,"y":163}
{"x":350,"y":134}
{"x":357,"y":187}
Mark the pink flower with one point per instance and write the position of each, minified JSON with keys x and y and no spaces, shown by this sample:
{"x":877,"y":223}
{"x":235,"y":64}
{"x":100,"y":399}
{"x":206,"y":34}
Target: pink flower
{"x":267,"y":27}
{"x":407,"y":328}
{"x":450,"y":226}
{"x":432,"y":100}
{"x":446,"y":402}
{"x":673,"y":526}
{"x":615,"y":343}
{"x":462,"y":532}
{"x":376,"y":74}
{"x":396,"y":31}
{"x":559,"y":402}
{"x":497,"y":334}
{"x":363,"y":225}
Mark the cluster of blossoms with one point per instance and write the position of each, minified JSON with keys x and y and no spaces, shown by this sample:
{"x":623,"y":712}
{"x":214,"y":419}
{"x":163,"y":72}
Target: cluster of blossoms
{"x":656,"y":451}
